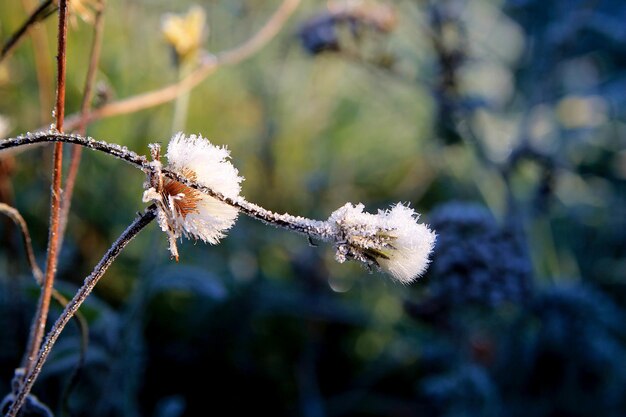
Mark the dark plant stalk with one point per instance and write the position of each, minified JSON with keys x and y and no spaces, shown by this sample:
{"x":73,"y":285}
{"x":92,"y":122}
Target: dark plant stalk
{"x":50,"y":137}
{"x":39,"y":14}
{"x":43,"y":306}
{"x":70,"y":310}
{"x":94,"y":58}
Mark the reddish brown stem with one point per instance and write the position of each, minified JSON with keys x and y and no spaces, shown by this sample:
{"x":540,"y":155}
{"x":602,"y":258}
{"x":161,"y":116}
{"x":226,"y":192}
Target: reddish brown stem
{"x":61,"y":48}
{"x":39,"y":322}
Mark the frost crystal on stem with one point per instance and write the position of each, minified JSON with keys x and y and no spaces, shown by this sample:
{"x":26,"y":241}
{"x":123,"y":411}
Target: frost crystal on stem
{"x":184,"y":211}
{"x":391,"y":240}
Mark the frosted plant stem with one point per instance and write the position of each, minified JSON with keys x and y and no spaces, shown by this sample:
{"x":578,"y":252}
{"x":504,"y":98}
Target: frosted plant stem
{"x":70,"y":310}
{"x":42,"y":137}
{"x":312,"y":228}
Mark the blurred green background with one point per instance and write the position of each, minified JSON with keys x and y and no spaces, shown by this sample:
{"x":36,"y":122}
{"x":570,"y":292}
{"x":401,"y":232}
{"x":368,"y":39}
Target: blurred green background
{"x":502,"y":122}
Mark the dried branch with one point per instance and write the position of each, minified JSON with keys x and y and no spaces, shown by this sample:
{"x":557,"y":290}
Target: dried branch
{"x":209,"y":65}
{"x":90,"y":282}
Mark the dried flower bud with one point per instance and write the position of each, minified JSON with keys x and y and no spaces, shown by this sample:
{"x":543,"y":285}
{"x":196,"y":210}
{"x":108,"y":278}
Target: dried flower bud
{"x":326,"y":31}
{"x":184,"y":211}
{"x":391,"y":240}
{"x":185,"y":33}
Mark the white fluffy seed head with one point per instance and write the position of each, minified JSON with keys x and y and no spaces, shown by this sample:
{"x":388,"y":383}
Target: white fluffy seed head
{"x":184,"y":211}
{"x":209,"y":165}
{"x":413,"y":244}
{"x":391,"y":240}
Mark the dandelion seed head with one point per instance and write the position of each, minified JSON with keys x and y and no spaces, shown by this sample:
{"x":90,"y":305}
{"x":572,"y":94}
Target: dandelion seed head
{"x":391,"y":240}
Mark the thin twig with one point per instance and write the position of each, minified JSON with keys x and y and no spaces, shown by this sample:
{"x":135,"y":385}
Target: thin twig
{"x":43,"y":306}
{"x":308,"y":227}
{"x":210,"y":65}
{"x":96,"y":47}
{"x":43,"y":65}
{"x":39,"y":14}
{"x":88,"y":285}
{"x":17,"y":218}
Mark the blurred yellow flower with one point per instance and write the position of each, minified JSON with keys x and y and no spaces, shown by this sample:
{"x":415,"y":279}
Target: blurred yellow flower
{"x":185,"y":33}
{"x":85,"y":9}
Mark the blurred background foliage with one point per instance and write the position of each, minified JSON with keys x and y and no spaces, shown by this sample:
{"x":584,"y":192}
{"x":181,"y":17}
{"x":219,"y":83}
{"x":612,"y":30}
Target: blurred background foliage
{"x":501,"y":120}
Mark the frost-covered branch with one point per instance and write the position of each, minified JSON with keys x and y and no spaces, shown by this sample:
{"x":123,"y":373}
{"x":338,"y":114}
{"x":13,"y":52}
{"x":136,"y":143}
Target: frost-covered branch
{"x":198,"y":196}
{"x":70,"y":310}
{"x":52,"y":136}
{"x":198,"y":190}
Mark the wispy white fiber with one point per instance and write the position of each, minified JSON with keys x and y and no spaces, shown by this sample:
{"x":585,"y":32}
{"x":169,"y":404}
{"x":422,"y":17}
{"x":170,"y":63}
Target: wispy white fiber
{"x":391,"y":240}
